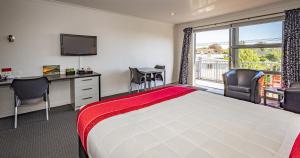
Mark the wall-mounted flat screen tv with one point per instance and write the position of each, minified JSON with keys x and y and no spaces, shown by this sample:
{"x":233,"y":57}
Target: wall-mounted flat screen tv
{"x":78,"y":45}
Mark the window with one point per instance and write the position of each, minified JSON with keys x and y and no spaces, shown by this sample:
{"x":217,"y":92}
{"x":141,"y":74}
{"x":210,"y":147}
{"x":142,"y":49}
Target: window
{"x":267,"y":59}
{"x":250,"y":45}
{"x":266,"y":33}
{"x":258,"y":46}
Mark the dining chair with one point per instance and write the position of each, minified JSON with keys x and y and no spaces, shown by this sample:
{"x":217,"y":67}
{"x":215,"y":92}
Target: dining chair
{"x":158,"y":75}
{"x":29,"y":89}
{"x":138,"y":78}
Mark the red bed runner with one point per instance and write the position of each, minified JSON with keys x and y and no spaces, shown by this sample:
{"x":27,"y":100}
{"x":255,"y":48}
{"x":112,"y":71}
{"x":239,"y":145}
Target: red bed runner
{"x":94,"y":113}
{"x":295,"y":153}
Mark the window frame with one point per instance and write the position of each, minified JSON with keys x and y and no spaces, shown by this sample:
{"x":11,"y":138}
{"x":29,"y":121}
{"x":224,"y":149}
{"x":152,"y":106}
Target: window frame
{"x":215,"y":28}
{"x":234,"y":45}
{"x":234,"y":39}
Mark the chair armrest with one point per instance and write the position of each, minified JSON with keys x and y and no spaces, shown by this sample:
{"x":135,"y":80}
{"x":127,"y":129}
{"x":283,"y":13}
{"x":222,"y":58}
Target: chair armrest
{"x":295,"y":85}
{"x":255,"y":79}
{"x":229,"y":78}
{"x":136,"y":76}
{"x":141,"y":76}
{"x":254,"y":85}
{"x":45,"y":96}
{"x":292,"y":92}
{"x":292,"y":96}
{"x":157,"y":75}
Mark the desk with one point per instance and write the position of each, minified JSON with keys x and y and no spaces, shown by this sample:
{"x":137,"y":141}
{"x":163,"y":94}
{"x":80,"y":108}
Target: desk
{"x":53,"y":78}
{"x":84,"y":88}
{"x":151,"y":71}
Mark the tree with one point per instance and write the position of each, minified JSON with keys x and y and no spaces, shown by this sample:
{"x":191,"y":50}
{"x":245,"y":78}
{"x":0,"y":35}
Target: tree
{"x":249,"y":59}
{"x":248,"y":55}
{"x":198,"y":50}
{"x":216,"y":47}
{"x":226,"y":51}
{"x":273,"y":55}
{"x":255,"y":58}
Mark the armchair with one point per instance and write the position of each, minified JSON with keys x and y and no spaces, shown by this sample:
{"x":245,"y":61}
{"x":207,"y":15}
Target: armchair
{"x":243,"y":84}
{"x":292,"y":98}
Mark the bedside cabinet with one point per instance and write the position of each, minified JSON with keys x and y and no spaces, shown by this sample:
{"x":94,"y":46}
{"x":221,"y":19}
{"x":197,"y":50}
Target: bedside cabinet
{"x":85,"y":90}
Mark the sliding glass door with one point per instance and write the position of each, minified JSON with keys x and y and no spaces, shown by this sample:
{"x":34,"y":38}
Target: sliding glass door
{"x":211,"y":57}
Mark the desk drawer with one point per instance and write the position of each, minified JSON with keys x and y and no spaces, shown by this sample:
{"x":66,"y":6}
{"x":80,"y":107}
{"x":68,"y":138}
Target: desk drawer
{"x":85,"y":99}
{"x":86,"y":90}
{"x":86,"y":81}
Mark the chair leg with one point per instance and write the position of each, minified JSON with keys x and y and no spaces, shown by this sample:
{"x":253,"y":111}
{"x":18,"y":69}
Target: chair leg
{"x":138,"y":88}
{"x":130,"y":88}
{"x":47,"y":109}
{"x":164,"y":79}
{"x":16,"y":117}
{"x":49,"y":104}
{"x":154,"y":83}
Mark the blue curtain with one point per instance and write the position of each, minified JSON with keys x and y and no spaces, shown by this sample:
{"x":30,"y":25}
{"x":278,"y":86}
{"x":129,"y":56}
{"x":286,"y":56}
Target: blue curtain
{"x":183,"y":76}
{"x":291,"y":48}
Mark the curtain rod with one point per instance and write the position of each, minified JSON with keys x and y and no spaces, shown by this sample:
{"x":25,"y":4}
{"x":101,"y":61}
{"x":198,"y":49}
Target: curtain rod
{"x":232,"y":21}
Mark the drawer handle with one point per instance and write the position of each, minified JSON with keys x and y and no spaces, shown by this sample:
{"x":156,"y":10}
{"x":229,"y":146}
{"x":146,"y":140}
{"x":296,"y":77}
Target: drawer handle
{"x":86,"y":89}
{"x":87,"y":98}
{"x":87,"y":79}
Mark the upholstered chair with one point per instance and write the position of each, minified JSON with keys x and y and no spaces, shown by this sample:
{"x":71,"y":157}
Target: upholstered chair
{"x":243,"y":84}
{"x":292,"y":98}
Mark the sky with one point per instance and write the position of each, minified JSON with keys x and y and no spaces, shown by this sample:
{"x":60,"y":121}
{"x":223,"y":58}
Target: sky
{"x":246,"y":33}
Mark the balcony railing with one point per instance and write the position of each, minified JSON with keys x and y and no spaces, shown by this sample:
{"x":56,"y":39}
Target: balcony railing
{"x":268,"y":67}
{"x":213,"y":69}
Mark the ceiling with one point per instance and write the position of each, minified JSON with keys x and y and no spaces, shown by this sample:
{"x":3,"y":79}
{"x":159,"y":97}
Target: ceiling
{"x":173,"y":11}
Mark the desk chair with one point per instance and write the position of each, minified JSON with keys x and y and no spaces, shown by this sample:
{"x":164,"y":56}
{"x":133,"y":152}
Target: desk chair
{"x":158,"y":76}
{"x":138,"y":78}
{"x":28,"y":89}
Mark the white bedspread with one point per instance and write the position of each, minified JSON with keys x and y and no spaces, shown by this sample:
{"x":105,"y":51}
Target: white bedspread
{"x":197,"y":125}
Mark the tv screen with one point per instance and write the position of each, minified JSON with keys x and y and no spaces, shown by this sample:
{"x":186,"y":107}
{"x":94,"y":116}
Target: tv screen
{"x":78,"y":45}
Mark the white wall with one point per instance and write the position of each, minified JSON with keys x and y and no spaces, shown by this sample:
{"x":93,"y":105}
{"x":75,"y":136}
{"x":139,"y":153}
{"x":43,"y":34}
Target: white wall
{"x":178,"y":29}
{"x":123,"y":41}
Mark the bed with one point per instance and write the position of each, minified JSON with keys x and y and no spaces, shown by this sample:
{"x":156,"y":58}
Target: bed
{"x":181,"y":122}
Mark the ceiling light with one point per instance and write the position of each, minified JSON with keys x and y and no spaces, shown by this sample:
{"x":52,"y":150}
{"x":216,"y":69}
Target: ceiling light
{"x":201,"y":10}
{"x":204,"y":9}
{"x":172,"y":13}
{"x":210,"y":8}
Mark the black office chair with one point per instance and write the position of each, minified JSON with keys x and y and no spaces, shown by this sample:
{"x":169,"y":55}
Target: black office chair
{"x":158,"y":76}
{"x":138,"y":78}
{"x":28,"y":89}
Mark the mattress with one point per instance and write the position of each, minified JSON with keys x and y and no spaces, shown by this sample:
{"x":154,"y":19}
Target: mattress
{"x":195,"y":124}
